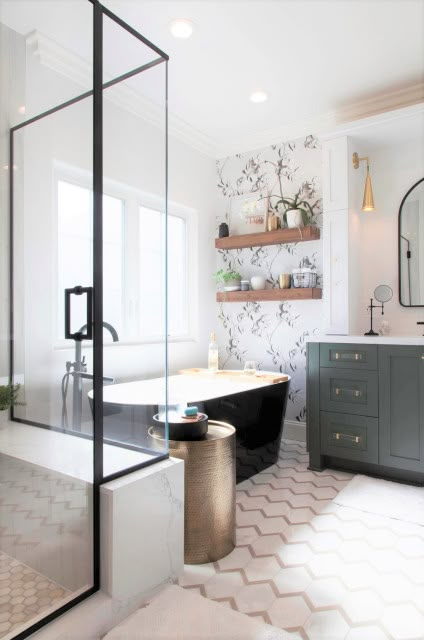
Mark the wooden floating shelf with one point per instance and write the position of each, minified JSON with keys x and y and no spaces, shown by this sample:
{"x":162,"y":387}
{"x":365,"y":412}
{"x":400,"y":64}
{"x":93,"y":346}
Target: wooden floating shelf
{"x":265,"y":238}
{"x":263,"y":295}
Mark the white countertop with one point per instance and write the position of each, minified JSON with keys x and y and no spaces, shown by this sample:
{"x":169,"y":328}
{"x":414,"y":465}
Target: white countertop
{"x":182,"y":388}
{"x":401,"y":340}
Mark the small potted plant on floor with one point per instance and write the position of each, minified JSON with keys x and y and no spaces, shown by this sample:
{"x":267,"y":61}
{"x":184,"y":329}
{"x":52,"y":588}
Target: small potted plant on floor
{"x":230,"y":280}
{"x":8,"y":398}
{"x":295,"y":212}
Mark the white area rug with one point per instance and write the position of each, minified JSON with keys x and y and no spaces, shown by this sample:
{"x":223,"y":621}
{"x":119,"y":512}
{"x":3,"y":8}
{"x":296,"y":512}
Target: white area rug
{"x":390,"y":499}
{"x":179,"y":614}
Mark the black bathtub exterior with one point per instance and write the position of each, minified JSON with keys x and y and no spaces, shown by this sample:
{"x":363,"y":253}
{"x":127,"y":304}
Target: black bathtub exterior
{"x":257,"y":415}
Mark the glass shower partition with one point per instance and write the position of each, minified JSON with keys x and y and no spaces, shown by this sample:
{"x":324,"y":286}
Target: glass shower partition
{"x":88,"y":317}
{"x":134,"y":248}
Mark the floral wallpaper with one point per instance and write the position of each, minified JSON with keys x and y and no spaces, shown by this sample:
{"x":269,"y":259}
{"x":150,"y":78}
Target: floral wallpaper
{"x":272,"y":333}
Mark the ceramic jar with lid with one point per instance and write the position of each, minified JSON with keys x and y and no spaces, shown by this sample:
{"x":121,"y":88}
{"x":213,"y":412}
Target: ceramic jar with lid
{"x":245,"y":285}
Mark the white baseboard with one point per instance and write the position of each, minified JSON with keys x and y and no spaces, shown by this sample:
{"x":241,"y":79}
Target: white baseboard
{"x":294,"y":430}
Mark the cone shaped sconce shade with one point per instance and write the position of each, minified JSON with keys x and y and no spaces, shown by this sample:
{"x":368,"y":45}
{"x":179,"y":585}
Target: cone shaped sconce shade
{"x":368,"y":201}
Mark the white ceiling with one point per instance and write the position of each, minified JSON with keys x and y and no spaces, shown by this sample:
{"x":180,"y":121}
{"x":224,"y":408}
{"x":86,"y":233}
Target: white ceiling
{"x":312,"y":57}
{"x":315,"y":58}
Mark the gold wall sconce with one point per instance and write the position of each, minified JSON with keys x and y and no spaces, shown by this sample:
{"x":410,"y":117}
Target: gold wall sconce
{"x":368,"y":201}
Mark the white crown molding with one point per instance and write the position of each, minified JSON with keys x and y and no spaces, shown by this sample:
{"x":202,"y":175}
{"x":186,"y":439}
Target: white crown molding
{"x":54,"y":56}
{"x":389,"y":101}
{"x":61,"y":60}
{"x":360,"y":114}
{"x":371,"y":110}
{"x":355,"y":127}
{"x":265,"y":138}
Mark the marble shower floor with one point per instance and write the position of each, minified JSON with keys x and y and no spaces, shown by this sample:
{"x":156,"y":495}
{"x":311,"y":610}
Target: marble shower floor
{"x":314,"y":568}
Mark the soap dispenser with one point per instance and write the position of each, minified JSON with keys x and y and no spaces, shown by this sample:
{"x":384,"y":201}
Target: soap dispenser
{"x":213,"y":353}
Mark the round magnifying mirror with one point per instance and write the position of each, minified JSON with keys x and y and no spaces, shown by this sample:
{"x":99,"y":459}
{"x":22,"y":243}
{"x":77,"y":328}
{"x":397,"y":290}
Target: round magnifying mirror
{"x":383,"y":293}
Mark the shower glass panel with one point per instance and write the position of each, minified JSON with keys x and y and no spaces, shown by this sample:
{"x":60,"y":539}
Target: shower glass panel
{"x":134,"y":250}
{"x":47,"y":491}
{"x":47,"y":526}
{"x":88,"y":322}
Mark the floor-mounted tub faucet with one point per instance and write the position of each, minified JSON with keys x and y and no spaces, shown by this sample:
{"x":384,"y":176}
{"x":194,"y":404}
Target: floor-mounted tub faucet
{"x":78,"y":371}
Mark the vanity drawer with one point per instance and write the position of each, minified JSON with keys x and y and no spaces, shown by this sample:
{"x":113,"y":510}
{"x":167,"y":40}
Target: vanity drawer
{"x":351,"y":437}
{"x":348,"y":356}
{"x":349,"y":391}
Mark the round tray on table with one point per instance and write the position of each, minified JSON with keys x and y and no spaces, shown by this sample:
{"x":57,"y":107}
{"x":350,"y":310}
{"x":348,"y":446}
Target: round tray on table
{"x":184,"y":429}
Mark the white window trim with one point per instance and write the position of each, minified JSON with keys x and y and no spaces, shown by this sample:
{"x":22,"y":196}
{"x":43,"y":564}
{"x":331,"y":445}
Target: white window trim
{"x":133,"y":198}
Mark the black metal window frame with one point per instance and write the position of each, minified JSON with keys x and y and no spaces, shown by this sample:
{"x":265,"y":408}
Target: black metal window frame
{"x":99,"y":12}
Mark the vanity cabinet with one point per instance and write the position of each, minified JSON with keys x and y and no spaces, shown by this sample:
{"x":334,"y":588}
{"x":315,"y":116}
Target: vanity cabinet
{"x":401,"y":383}
{"x":366,"y":408}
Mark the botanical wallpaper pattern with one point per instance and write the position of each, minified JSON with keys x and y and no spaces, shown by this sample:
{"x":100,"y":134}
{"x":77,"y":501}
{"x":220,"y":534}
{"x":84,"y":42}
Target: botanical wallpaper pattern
{"x":272,"y":333}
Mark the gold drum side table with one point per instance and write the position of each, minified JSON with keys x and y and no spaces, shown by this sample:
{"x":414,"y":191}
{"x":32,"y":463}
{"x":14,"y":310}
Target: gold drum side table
{"x":209,"y":493}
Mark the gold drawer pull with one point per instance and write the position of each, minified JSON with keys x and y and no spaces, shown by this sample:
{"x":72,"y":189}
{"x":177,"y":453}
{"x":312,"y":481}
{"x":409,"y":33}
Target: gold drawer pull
{"x":347,"y":436}
{"x":355,"y":392}
{"x":356,"y":356}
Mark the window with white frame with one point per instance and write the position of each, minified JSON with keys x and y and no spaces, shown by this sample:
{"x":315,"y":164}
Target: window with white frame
{"x":133,"y":259}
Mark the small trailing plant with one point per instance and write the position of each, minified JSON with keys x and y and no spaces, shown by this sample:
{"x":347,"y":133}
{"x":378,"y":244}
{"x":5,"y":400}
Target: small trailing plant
{"x":290,"y":204}
{"x":9,"y":396}
{"x":222,"y":276}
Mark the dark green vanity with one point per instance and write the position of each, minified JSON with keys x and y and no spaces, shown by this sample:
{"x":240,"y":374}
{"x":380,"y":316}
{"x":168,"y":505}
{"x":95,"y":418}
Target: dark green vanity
{"x":365,"y":406}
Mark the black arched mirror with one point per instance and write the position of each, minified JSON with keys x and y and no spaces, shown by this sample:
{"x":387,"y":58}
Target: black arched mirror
{"x":411,"y":247}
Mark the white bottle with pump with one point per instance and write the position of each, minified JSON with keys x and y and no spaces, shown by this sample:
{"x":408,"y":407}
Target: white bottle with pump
{"x":213,"y":354}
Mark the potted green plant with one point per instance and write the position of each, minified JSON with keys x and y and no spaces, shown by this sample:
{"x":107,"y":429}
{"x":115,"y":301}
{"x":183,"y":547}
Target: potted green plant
{"x":295,"y":212}
{"x":229,"y":279}
{"x":8,"y":398}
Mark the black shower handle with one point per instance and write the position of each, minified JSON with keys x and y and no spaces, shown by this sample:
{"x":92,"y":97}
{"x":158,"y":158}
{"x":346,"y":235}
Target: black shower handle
{"x":79,"y":291}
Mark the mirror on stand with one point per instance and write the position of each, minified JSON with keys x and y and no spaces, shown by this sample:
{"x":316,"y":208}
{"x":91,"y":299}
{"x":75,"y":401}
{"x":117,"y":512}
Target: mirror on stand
{"x":383,"y":293}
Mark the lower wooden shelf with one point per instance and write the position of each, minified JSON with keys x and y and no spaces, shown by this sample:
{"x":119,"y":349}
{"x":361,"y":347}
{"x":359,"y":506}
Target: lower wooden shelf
{"x":269,"y":295}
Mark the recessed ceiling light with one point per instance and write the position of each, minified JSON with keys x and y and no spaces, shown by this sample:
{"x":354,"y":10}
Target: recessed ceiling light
{"x":258,"y":96}
{"x":21,"y":109}
{"x":181,"y":28}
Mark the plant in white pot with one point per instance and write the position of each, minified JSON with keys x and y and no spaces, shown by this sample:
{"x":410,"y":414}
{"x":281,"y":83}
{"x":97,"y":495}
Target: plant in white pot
{"x":295,"y":212}
{"x":230,"y":280}
{"x":8,"y":398}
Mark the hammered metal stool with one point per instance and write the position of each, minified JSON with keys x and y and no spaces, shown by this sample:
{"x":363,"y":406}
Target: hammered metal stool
{"x":209,"y":493}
